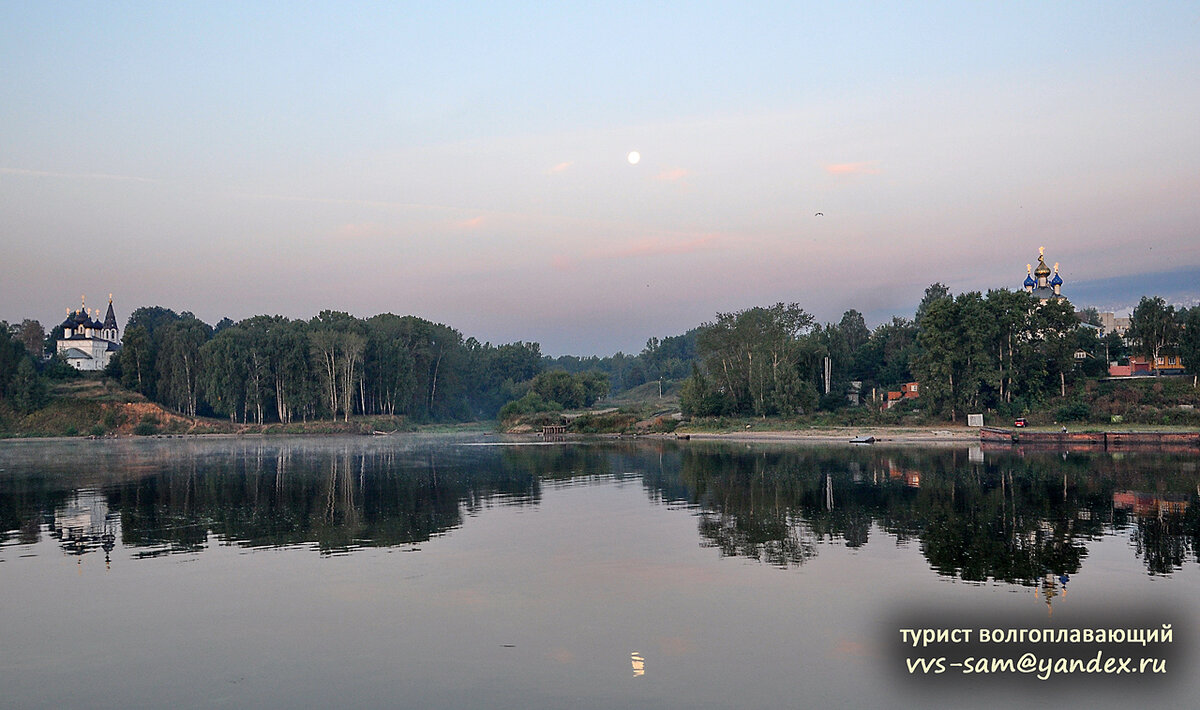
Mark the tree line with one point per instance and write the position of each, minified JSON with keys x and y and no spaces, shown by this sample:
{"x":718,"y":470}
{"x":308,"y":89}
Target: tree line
{"x":777,"y":360}
{"x":22,"y":387}
{"x":1002,"y":350}
{"x":275,"y":369}
{"x":662,"y":360}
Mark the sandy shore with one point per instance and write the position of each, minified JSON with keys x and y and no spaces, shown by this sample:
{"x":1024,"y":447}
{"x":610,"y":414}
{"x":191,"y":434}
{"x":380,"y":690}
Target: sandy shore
{"x":959,"y":436}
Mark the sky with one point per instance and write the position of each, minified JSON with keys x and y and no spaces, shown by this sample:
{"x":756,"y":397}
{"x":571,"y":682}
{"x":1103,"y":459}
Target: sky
{"x":467,"y":162}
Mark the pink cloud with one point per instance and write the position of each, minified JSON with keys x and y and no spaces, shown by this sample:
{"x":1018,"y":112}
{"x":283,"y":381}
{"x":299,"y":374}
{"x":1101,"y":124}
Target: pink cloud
{"x":847,"y":648}
{"x":562,"y":262}
{"x":357,"y":230}
{"x":561,"y":655}
{"x":653,"y":246}
{"x":471,"y":223}
{"x":672,"y":175}
{"x":870,"y":167}
{"x":560,"y":167}
{"x":637,"y":249}
{"x":676,"y":645}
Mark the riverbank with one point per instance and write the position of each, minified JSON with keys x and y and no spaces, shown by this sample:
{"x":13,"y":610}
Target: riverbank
{"x":956,"y":436}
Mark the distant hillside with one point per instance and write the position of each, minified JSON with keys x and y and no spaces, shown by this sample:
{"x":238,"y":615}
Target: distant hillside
{"x":646,"y":397}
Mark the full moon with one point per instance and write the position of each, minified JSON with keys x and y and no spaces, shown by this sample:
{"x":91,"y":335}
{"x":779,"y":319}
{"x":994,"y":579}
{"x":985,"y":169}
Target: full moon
{"x":634,"y":157}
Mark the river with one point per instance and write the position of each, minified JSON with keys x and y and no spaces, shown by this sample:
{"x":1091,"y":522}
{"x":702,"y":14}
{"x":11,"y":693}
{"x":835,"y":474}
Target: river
{"x":476,"y":572}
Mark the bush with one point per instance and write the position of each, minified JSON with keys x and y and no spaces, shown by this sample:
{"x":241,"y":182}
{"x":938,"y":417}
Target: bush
{"x":531,"y":403}
{"x":570,"y":391}
{"x":148,"y":426}
{"x":832,"y":401}
{"x":56,"y":369}
{"x":1074,"y":412}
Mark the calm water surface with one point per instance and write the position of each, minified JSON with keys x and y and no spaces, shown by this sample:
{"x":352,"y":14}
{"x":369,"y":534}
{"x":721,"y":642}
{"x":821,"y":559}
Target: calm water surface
{"x":421,"y":572}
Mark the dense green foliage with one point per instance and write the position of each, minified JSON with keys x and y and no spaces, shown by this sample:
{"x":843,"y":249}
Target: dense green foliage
{"x":1001,"y":351}
{"x":665,"y":360}
{"x":754,"y":361}
{"x":270,"y":368}
{"x":23,"y":374}
{"x":1153,"y":327}
{"x":774,"y":360}
{"x":1189,"y":341}
{"x":978,"y":352}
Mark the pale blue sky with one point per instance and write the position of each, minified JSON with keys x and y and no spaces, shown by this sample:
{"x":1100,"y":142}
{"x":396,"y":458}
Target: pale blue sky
{"x":465,"y":162}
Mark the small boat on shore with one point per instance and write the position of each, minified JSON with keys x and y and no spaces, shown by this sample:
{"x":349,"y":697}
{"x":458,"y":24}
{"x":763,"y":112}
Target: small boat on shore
{"x":863,"y":440}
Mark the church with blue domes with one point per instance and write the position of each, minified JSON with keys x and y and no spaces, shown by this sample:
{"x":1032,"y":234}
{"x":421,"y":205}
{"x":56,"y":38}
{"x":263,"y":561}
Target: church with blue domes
{"x":1041,"y":282}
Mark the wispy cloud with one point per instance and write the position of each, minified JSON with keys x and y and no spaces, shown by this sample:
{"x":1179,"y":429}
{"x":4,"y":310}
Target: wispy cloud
{"x":672,"y":175}
{"x":847,"y":648}
{"x":561,"y":655}
{"x":562,"y":262}
{"x":561,"y":167}
{"x":344,"y":201}
{"x":676,"y":645}
{"x":657,"y":246}
{"x":357,"y":230}
{"x":466,"y":222}
{"x":869,"y":167}
{"x":73,"y":176}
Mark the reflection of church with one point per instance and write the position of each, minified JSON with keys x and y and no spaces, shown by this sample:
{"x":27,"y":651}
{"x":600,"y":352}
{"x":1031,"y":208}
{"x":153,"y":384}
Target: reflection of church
{"x":1149,"y":505}
{"x":85,"y":523}
{"x":910,"y":477}
{"x":86,"y":343}
{"x":1044,"y":285}
{"x":1051,"y":586}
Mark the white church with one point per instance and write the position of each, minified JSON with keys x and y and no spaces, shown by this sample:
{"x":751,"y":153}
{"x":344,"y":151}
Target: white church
{"x":86,"y":343}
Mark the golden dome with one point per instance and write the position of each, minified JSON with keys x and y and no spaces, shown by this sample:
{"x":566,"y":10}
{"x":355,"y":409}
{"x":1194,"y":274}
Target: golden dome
{"x":1042,"y":270}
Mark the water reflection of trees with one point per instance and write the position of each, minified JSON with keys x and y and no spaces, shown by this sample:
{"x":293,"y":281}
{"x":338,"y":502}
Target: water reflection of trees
{"x":335,"y":498}
{"x":1012,"y":518}
{"x":340,"y":499}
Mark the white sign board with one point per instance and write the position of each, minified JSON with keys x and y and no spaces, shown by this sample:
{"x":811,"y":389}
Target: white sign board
{"x":974,"y":420}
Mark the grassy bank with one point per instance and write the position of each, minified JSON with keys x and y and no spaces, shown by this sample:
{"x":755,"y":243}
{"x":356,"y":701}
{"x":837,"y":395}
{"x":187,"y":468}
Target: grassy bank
{"x":1150,"y":404}
{"x":98,"y":407}
{"x":94,"y":406}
